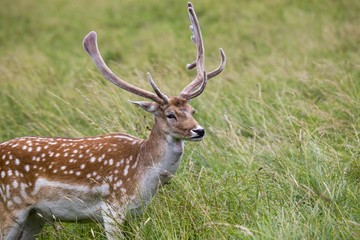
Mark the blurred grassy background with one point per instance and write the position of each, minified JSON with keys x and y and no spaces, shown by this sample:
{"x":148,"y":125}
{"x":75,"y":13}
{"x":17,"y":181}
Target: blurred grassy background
{"x":281,"y":159}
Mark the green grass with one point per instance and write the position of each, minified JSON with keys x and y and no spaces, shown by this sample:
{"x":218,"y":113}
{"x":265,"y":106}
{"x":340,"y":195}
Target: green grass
{"x":281,"y":159}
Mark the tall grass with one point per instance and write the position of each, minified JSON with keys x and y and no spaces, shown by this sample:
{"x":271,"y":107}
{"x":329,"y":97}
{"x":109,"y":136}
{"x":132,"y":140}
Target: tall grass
{"x":281,"y":159}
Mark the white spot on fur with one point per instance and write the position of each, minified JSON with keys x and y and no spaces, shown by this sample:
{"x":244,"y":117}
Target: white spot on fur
{"x":17,"y":200}
{"x":126,"y":170}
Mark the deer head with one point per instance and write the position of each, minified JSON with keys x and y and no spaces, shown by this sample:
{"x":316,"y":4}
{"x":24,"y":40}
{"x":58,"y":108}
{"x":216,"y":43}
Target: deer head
{"x":174,"y":115}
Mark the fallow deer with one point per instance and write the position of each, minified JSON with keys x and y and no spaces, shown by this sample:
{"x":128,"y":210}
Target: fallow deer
{"x":43,"y":179}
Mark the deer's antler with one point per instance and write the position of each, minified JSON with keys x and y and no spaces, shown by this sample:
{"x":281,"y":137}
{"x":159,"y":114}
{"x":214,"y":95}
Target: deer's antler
{"x":197,"y":86}
{"x":90,"y":45}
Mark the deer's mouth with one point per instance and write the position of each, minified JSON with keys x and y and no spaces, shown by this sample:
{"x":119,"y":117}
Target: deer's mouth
{"x":197,"y":138}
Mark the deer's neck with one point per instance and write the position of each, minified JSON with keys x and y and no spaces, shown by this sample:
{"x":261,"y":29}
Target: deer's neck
{"x":160,"y":157}
{"x":161,"y":150}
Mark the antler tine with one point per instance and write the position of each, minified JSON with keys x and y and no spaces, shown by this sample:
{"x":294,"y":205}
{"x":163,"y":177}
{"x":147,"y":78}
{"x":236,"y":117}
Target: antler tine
{"x":91,"y":47}
{"x":220,"y":68}
{"x":156,"y":89}
{"x":199,"y":63}
{"x":210,"y":75}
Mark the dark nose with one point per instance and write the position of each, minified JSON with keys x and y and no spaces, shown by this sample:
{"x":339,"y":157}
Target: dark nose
{"x":200,"y":132}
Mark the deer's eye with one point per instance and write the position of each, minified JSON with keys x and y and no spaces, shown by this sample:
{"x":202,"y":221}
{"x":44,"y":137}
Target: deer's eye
{"x":171,"y":116}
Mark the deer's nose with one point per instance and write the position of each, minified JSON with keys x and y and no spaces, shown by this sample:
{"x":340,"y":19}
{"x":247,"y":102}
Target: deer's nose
{"x":200,"y":132}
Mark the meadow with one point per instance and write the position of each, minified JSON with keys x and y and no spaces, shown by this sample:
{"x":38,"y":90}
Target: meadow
{"x":281,"y":159}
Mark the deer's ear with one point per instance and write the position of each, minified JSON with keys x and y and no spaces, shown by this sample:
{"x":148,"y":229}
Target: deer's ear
{"x":147,"y":106}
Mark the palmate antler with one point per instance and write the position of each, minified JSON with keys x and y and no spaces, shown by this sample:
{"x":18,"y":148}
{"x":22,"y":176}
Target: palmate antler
{"x":192,"y":90}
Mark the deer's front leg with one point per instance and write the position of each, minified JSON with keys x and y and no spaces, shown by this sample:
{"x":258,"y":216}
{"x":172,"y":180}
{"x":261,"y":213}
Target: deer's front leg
{"x":113,"y":217}
{"x":11,"y":223}
{"x":32,"y":226}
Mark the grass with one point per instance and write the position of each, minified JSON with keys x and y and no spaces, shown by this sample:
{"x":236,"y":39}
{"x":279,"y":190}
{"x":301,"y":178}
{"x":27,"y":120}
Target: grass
{"x":281,"y":159}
